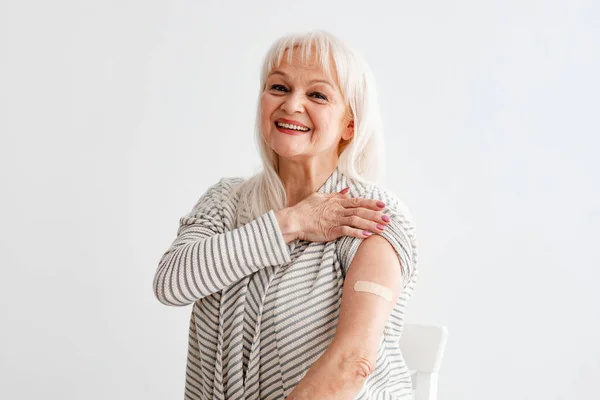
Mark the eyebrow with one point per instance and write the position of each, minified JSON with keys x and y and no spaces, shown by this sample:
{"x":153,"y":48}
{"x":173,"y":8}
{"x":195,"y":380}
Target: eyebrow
{"x":277,"y":72}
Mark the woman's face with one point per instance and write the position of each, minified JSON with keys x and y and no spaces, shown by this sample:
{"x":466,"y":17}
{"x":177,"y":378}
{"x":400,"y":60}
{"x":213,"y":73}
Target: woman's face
{"x":303,"y":114}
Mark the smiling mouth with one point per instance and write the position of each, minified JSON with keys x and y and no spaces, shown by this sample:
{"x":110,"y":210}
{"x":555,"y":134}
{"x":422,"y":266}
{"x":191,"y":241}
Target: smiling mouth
{"x":291,"y":127}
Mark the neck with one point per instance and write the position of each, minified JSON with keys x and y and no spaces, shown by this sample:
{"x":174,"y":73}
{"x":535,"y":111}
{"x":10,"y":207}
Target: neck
{"x":301,"y":180}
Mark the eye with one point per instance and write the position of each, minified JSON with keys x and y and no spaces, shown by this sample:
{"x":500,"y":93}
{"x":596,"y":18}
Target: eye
{"x":319,"y":96}
{"x":279,"y":88}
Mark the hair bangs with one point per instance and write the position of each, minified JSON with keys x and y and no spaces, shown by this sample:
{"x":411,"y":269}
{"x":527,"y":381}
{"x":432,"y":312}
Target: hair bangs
{"x":313,"y":44}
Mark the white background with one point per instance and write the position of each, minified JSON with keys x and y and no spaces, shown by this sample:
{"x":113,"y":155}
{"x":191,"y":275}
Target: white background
{"x":117,"y":115}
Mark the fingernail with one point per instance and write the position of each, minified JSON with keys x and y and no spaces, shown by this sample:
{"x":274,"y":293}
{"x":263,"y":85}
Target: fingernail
{"x":367,"y":233}
{"x":345,"y":190}
{"x":379,"y":226}
{"x":380,"y":204}
{"x":385,"y":218}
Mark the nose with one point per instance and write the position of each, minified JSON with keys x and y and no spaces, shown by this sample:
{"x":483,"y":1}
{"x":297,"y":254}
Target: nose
{"x":292,"y":103}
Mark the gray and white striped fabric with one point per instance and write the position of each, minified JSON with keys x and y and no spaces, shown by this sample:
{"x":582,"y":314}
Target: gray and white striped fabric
{"x":264,"y":311}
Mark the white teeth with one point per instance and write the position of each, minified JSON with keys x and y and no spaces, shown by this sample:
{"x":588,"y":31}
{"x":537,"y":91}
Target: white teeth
{"x":294,"y":127}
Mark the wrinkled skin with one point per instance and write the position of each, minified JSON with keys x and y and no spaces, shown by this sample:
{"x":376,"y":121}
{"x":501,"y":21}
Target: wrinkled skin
{"x":324,"y":217}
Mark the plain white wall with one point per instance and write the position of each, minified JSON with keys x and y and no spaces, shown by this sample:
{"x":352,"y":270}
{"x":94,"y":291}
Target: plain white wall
{"x":116,"y":116}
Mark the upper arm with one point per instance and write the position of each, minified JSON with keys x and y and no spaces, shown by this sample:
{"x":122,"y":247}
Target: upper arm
{"x":363,"y":315}
{"x":399,"y":233}
{"x":388,"y":259}
{"x":183,"y":274}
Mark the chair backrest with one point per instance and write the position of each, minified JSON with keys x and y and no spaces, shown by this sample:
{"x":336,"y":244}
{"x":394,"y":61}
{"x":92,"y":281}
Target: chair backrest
{"x":423,"y":348}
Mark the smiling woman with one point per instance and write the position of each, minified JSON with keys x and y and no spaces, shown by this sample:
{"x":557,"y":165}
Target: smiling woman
{"x":278,"y":265}
{"x":302,"y":86}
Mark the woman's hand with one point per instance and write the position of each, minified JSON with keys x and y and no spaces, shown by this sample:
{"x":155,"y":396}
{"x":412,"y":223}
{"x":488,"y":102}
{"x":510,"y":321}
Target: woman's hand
{"x":323,"y":217}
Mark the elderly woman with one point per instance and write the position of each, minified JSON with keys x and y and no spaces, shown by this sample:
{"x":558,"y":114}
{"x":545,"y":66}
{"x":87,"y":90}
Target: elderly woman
{"x":289,"y":299}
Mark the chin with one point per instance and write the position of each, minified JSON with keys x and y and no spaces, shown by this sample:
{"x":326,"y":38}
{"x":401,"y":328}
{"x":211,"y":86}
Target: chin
{"x":289,"y":153}
{"x":288,"y":150}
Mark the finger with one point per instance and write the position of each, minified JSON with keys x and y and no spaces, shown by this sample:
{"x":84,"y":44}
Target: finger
{"x":340,"y":195}
{"x":337,"y":195}
{"x":353,"y":232}
{"x":344,"y":191}
{"x":371,"y":204}
{"x":376,"y":217}
{"x":357,"y":222}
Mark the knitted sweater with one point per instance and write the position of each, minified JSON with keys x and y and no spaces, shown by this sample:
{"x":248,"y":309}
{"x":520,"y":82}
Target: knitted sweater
{"x":264,"y":311}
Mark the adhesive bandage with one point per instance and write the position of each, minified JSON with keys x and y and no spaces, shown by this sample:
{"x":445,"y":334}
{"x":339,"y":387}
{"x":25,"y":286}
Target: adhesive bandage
{"x":371,"y":287}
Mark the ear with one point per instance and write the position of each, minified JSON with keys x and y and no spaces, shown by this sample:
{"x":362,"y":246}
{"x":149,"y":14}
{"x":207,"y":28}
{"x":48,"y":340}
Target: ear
{"x":348,"y":131}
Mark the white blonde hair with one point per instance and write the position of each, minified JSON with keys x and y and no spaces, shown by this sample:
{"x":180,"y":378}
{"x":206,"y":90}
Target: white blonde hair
{"x":360,"y":158}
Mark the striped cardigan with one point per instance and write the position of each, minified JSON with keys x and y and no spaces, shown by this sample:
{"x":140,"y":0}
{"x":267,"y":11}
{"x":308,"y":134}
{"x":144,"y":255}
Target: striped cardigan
{"x":264,"y":311}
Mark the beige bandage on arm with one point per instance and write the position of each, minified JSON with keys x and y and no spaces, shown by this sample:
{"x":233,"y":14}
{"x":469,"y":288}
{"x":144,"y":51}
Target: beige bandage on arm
{"x":371,"y":287}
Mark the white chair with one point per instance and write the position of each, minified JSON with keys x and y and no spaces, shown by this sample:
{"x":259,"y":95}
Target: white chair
{"x":423,"y":348}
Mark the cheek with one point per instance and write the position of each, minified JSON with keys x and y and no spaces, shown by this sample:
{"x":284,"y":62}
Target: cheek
{"x":322,"y":119}
{"x":267,"y":107}
{"x":269,"y":103}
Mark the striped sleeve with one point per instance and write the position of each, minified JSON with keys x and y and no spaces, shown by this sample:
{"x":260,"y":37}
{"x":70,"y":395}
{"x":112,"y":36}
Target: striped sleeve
{"x":205,"y":257}
{"x":400,"y":233}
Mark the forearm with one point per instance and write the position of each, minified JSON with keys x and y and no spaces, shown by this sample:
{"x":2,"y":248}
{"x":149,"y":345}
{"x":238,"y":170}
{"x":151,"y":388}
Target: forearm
{"x":334,"y":376}
{"x":352,"y":354}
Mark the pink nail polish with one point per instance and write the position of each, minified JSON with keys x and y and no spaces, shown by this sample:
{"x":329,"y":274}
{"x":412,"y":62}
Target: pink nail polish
{"x":380,"y":204}
{"x":367,"y":233}
{"x":385,"y":218}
